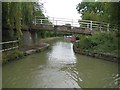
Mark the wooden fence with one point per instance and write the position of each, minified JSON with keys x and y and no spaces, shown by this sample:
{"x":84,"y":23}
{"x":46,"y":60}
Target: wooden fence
{"x":9,"y":45}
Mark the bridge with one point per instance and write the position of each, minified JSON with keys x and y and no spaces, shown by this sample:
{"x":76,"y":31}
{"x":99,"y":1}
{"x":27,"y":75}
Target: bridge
{"x":69,"y":25}
{"x":64,"y":25}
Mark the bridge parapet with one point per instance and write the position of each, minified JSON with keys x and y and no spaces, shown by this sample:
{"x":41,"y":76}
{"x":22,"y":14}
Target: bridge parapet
{"x":91,"y":25}
{"x":70,"y":25}
{"x":60,"y":29}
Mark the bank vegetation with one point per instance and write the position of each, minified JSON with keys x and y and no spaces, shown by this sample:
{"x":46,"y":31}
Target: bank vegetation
{"x":103,"y":43}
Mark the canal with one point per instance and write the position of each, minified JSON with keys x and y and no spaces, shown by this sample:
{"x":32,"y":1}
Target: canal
{"x":60,"y":67}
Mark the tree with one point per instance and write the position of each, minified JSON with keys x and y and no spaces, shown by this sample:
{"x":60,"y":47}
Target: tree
{"x":17,"y":14}
{"x":100,"y":11}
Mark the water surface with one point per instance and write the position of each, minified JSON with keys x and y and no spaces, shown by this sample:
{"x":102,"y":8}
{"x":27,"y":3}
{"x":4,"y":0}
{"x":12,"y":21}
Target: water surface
{"x":60,"y":67}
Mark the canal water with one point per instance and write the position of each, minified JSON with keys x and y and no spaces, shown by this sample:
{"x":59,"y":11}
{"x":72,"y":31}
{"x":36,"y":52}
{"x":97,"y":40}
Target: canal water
{"x":60,"y":67}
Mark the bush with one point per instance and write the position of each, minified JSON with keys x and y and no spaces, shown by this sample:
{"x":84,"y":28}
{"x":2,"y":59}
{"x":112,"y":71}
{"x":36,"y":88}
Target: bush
{"x":100,"y":42}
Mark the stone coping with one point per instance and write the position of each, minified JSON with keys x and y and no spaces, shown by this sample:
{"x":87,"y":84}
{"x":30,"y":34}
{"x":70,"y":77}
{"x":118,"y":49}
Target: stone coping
{"x":31,"y":51}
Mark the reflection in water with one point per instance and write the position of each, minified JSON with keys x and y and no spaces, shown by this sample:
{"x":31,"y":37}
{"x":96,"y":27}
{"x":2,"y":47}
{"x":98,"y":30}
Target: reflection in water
{"x":60,"y":68}
{"x":62,"y":53}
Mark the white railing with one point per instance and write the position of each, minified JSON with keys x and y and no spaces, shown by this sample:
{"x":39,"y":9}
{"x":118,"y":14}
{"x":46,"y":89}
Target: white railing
{"x":56,"y":21}
{"x":100,"y":26}
{"x":9,"y":42}
{"x":94,"y":25}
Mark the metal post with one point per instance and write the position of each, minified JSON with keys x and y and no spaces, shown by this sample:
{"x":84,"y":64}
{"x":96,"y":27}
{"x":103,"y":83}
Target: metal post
{"x":72,"y":24}
{"x":40,"y":21}
{"x":108,"y":27}
{"x":87,"y":25}
{"x":80,"y":25}
{"x":35,"y":20}
{"x":90,"y":25}
{"x":100,"y":27}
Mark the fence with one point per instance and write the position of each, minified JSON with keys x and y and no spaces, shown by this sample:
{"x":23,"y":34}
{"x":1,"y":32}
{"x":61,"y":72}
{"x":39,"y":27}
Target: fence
{"x":10,"y":45}
{"x":87,"y":24}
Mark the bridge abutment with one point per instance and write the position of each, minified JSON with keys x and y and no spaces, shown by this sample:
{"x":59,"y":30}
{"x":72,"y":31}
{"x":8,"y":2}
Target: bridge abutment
{"x":34,"y":38}
{"x":29,"y":38}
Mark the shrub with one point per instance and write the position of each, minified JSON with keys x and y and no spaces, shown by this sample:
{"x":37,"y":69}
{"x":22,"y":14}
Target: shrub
{"x":100,"y":42}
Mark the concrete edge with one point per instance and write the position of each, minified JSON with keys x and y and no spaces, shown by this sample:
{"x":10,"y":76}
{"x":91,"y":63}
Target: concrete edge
{"x":31,"y":51}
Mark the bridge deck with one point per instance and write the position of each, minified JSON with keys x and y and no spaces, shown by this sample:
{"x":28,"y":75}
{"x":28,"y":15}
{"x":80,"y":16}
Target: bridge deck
{"x":62,"y":28}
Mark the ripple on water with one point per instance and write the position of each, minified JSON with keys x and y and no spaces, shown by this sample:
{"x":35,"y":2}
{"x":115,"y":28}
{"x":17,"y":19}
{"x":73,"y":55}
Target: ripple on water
{"x":60,"y":68}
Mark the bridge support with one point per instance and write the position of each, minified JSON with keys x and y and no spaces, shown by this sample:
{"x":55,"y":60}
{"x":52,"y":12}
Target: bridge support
{"x":34,"y":37}
{"x":29,"y":38}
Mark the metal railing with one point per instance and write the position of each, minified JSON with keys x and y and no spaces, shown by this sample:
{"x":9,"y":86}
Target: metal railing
{"x":87,"y":24}
{"x":13,"y":46}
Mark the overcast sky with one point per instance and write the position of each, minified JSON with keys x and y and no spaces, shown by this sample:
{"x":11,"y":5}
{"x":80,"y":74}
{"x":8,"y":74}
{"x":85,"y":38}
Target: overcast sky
{"x":62,"y":8}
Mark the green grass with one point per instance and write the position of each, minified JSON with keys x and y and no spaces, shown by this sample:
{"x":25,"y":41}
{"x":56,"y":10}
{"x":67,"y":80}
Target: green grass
{"x":11,"y":55}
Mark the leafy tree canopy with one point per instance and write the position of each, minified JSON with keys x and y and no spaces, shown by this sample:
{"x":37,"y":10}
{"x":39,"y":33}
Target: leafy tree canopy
{"x":17,"y":14}
{"x":100,"y":11}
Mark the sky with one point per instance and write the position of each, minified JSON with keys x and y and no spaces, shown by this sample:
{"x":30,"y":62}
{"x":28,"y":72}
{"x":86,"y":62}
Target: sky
{"x":61,"y":8}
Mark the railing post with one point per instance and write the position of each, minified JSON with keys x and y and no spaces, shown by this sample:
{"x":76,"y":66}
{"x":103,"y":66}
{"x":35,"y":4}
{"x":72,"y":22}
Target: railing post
{"x":53,"y":22}
{"x":72,"y":24}
{"x":87,"y":25}
{"x":100,"y":27}
{"x":90,"y":25}
{"x":40,"y":21}
{"x":108,"y":27}
{"x":35,"y":20}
